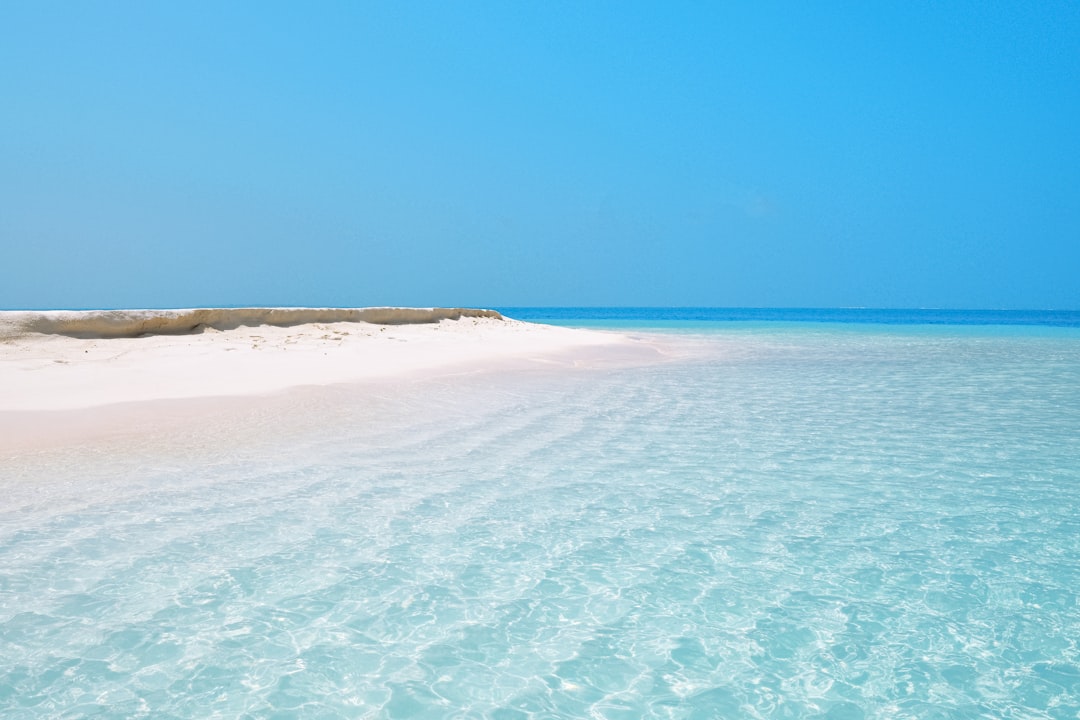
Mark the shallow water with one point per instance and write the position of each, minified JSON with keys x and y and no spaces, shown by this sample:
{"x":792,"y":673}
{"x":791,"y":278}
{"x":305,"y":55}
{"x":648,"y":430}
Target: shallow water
{"x":797,"y":522}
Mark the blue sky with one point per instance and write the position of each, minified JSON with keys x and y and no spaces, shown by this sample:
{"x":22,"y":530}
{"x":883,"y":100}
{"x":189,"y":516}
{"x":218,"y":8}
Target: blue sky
{"x":892,"y":154}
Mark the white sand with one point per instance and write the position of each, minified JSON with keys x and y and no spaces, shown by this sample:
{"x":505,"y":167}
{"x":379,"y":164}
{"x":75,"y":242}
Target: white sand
{"x":43,"y":372}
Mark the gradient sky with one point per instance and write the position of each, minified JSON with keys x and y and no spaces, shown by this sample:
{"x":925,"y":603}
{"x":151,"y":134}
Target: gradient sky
{"x":884,"y":154}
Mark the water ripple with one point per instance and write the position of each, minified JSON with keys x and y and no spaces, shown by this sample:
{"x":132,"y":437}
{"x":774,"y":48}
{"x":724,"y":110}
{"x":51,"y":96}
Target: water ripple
{"x":818,"y":524}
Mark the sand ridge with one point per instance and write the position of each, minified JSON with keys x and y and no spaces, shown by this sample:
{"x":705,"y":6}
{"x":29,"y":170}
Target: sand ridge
{"x":135,"y":323}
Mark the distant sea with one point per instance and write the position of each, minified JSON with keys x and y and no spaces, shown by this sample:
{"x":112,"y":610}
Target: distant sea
{"x":682,"y":317}
{"x":832,"y":514}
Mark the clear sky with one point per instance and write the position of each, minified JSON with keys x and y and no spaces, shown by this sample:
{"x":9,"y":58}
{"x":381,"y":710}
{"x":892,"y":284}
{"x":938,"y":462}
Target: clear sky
{"x":877,"y":154}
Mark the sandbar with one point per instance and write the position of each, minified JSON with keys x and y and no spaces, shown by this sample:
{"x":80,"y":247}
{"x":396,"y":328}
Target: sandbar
{"x":66,"y":376}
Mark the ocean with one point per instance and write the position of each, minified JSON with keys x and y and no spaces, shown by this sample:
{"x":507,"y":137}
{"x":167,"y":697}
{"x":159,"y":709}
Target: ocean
{"x":797,"y":514}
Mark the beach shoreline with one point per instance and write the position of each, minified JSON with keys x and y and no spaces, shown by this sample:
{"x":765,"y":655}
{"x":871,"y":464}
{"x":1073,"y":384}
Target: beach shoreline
{"x":88,"y":377}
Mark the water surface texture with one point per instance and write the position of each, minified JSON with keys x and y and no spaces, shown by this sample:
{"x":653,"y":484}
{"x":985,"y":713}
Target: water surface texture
{"x":795,"y":522}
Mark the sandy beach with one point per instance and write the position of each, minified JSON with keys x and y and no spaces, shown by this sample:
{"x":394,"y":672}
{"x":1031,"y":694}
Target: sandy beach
{"x":66,"y":376}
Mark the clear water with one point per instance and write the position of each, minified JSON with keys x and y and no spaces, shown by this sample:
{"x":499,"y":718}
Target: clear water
{"x":798,"y":522}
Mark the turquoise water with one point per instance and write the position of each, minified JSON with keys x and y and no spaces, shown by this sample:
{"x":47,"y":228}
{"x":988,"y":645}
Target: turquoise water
{"x":791,"y":521}
{"x":718,"y":318}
